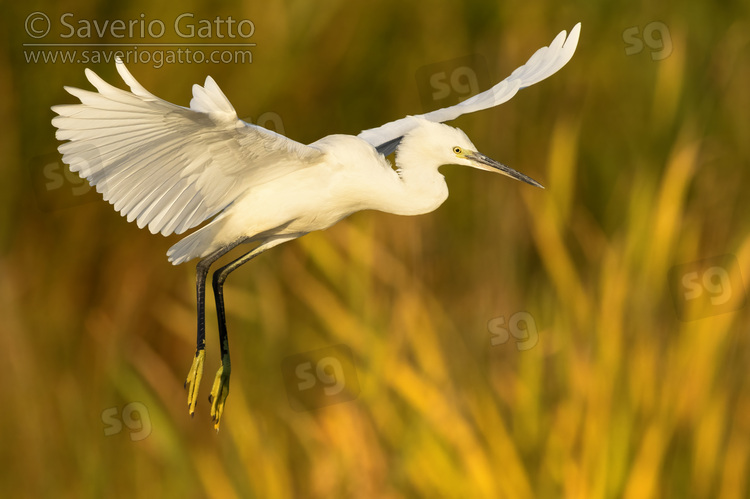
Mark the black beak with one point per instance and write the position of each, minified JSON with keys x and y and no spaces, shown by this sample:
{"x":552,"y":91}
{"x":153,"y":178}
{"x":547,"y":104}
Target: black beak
{"x":481,"y":159}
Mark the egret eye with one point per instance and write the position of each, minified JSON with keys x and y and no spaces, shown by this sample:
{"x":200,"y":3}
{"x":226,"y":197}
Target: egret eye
{"x":457,"y":150}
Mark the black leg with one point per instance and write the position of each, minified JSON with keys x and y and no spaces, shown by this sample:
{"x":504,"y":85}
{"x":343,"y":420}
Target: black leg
{"x":218,"y":284}
{"x":220,"y":390}
{"x":196,"y":370}
{"x":201,"y":272}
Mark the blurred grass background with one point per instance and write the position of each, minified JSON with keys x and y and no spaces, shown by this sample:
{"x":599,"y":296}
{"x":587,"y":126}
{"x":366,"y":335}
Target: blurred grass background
{"x":645,"y":164}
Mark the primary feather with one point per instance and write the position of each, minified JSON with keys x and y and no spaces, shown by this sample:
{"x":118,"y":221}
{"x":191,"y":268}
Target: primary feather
{"x":167,"y":166}
{"x":172,"y":168}
{"x":544,"y":63}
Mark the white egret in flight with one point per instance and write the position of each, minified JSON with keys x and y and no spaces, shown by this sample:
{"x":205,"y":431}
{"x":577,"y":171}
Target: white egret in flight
{"x":172,"y":168}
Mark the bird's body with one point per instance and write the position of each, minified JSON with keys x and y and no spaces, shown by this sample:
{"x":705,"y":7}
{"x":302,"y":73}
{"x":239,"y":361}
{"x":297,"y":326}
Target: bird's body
{"x":348,"y":176}
{"x":173,"y":168}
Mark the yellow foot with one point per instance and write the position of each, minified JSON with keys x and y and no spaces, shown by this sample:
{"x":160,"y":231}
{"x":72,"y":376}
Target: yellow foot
{"x":219,"y":392}
{"x":193,"y":380}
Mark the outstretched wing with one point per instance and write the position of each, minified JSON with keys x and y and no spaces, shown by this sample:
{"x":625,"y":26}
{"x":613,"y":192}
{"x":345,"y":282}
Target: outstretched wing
{"x":545,"y":62}
{"x":167,"y":166}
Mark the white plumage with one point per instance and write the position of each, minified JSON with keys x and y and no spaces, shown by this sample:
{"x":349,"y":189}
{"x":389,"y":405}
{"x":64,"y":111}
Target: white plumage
{"x":172,"y":168}
{"x":164,"y":165}
{"x":544,"y":63}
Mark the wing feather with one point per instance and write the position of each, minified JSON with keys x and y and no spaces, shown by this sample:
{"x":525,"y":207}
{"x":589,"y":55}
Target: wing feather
{"x":543,"y":63}
{"x":167,"y":166}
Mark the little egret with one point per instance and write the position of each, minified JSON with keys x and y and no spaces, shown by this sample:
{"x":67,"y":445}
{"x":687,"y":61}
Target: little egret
{"x":172,"y":168}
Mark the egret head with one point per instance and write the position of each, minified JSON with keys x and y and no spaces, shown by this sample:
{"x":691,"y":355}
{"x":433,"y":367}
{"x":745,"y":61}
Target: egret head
{"x":439,"y":144}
